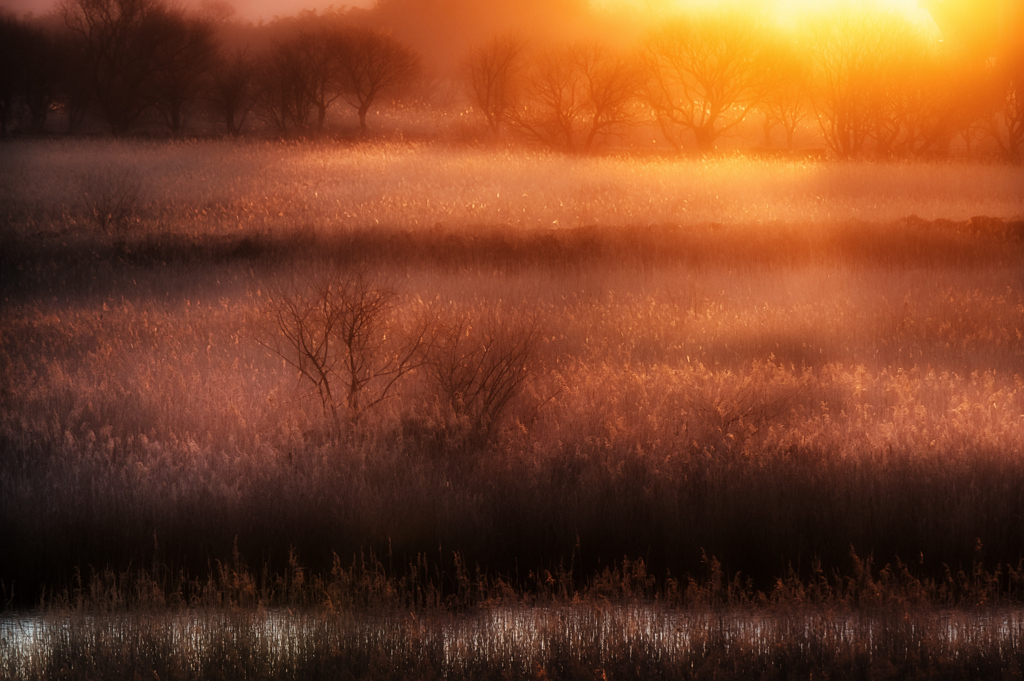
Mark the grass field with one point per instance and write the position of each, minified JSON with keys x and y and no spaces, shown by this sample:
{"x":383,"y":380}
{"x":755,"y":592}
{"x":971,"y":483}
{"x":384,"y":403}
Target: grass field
{"x":771,"y":363}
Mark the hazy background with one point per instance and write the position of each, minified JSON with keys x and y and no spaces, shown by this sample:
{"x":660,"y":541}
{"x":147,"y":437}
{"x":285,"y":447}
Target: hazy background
{"x":266,"y":10}
{"x":250,"y":10}
{"x":443,"y":31}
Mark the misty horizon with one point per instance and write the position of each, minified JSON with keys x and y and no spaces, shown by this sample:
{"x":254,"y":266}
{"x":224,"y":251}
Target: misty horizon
{"x":258,"y":11}
{"x":247,"y":10}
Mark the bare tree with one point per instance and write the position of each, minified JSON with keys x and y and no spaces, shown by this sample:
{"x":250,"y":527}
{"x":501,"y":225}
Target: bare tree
{"x":910,"y":96}
{"x":182,"y":62}
{"x":321,"y":68}
{"x":31,"y":71}
{"x":970,"y":100}
{"x":1008,"y":126}
{"x":705,"y":73}
{"x":10,"y":65}
{"x":844,"y":69}
{"x":866,"y":64}
{"x":577,"y":97}
{"x":45,"y":60}
{"x":115,"y":43}
{"x":371,"y":64}
{"x":986,"y":41}
{"x":32,"y":68}
{"x":785,"y":101}
{"x":283,"y":96}
{"x":233,"y":90}
{"x":493,"y":77}
{"x":341,"y":332}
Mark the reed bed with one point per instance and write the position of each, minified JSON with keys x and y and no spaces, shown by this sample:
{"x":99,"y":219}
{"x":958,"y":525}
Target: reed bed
{"x":576,"y":642}
{"x":213,"y":187}
{"x":763,"y":362}
{"x":356,"y":622}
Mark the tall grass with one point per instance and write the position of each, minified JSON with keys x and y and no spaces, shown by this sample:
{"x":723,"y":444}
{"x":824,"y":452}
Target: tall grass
{"x":817,"y":372}
{"x":358,"y":622}
{"x":593,"y":642}
{"x":217,"y":187}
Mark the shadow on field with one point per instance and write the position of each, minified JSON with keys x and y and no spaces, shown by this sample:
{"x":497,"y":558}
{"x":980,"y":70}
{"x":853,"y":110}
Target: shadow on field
{"x":74,"y":259}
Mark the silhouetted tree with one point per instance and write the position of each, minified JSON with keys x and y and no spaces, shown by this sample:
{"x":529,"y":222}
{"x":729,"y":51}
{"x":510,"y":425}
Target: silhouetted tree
{"x":785,"y":101}
{"x":32,"y":65}
{"x":115,"y":44}
{"x":372,"y":63}
{"x":879,"y":79}
{"x":985,"y":40}
{"x":320,"y":63}
{"x":909,"y":96}
{"x":76,"y":95}
{"x":283,"y":98}
{"x":494,"y":78}
{"x":577,"y":97}
{"x":45,"y":59}
{"x":11,"y":37}
{"x":846,"y":47}
{"x":182,"y":61}
{"x":233,"y":90}
{"x":1008,"y":129}
{"x":705,"y":73}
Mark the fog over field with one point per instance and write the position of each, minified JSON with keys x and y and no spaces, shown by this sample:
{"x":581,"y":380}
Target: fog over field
{"x":512,"y":340}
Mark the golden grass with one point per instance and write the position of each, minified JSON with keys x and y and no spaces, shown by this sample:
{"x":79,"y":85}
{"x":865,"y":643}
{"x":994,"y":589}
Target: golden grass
{"x":216,"y":187}
{"x":815,"y":372}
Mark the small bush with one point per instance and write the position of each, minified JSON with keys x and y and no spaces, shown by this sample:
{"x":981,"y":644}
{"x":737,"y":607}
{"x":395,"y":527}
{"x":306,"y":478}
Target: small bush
{"x":479,"y":366}
{"x":112,"y":197}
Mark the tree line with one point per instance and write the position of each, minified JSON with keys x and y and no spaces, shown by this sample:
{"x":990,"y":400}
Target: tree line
{"x":863,"y":81}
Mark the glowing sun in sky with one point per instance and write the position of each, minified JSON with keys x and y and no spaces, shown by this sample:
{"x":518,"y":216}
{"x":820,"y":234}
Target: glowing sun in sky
{"x":782,"y":10}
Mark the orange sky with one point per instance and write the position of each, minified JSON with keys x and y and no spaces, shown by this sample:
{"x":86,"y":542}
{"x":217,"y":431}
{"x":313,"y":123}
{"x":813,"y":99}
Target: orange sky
{"x":255,"y":10}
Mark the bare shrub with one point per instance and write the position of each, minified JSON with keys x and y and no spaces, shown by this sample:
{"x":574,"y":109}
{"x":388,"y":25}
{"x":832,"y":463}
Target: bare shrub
{"x":479,"y":366}
{"x":726,"y":408}
{"x":342,"y":332}
{"x":112,"y":196}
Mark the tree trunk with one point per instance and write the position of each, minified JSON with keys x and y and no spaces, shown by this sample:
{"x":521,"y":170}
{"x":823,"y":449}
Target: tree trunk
{"x":362,"y":119}
{"x":705,"y":139}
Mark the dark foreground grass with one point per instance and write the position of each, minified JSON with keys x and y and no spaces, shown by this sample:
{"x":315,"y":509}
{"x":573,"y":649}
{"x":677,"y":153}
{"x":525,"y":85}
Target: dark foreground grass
{"x":356,"y":622}
{"x":576,"y":642}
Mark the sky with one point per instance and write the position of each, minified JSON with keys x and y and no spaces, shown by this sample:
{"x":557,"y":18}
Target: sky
{"x":256,"y":10}
{"x":251,"y":10}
